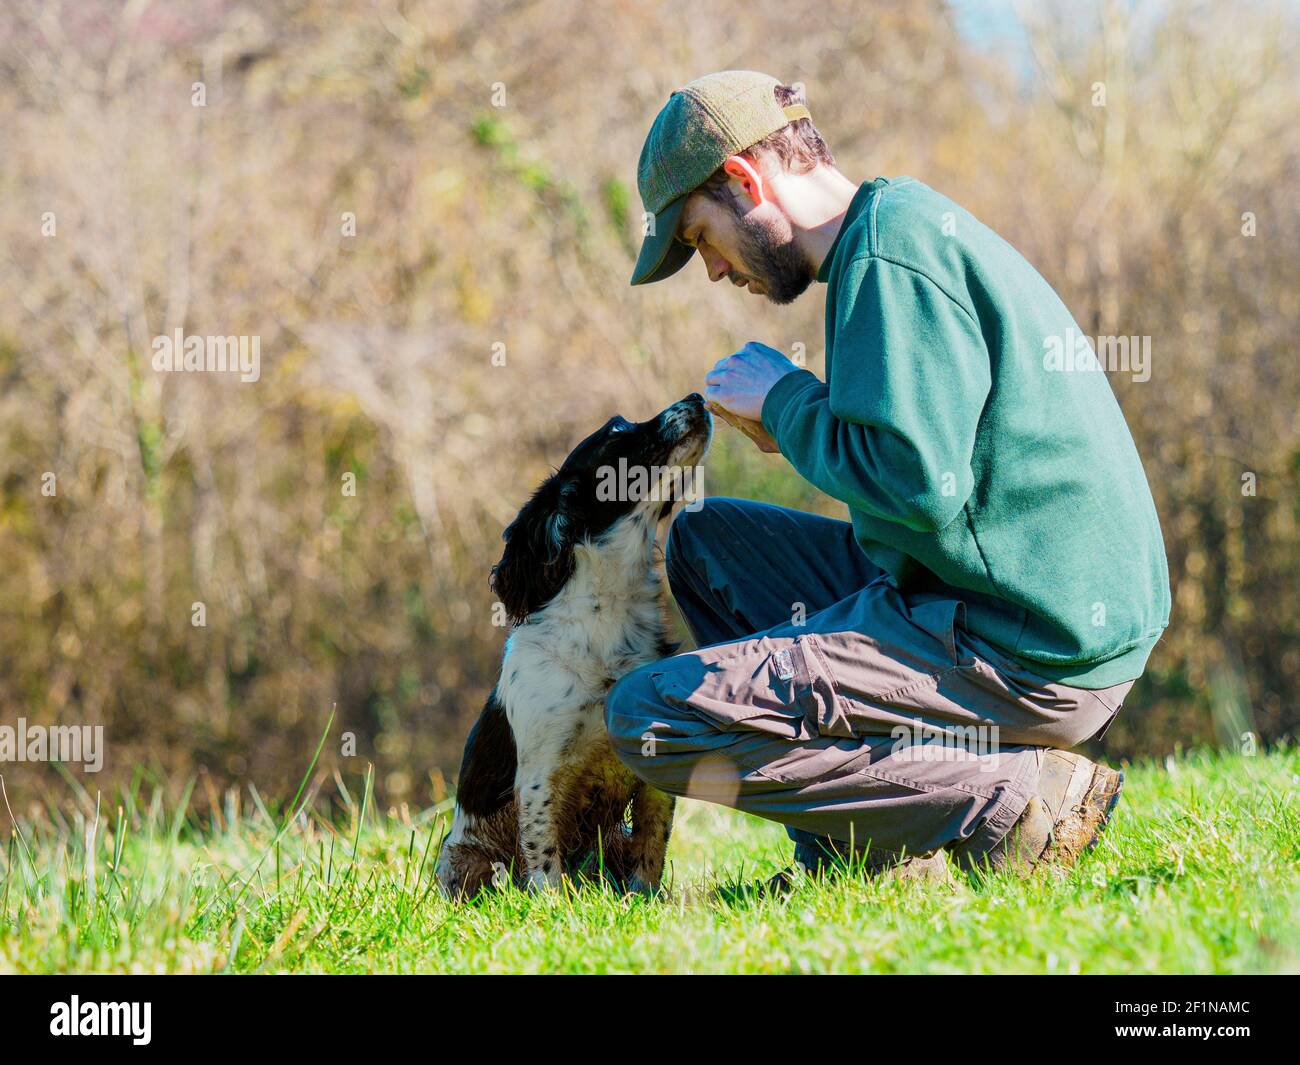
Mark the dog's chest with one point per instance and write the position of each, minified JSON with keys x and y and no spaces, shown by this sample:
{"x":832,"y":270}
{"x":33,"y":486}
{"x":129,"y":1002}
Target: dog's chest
{"x":567,"y":660}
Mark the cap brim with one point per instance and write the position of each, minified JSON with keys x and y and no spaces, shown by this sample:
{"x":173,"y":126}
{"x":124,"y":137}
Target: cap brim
{"x":662,"y":254}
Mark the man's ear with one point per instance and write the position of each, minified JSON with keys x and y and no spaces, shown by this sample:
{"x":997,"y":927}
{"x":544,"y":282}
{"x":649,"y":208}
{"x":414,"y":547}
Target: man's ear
{"x":743,"y":170}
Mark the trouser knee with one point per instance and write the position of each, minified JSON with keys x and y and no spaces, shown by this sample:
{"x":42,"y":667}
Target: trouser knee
{"x":696,"y":534}
{"x":628,"y":713}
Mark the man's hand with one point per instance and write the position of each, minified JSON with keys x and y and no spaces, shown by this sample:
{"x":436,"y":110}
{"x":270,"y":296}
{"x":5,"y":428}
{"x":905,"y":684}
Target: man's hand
{"x":740,"y":382}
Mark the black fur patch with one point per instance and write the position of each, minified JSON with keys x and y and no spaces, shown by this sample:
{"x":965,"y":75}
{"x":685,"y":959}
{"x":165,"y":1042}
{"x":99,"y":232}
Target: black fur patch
{"x":487,"y":770}
{"x":538,"y":557}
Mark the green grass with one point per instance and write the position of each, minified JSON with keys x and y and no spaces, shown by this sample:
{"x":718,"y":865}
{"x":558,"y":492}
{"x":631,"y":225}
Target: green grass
{"x":1198,"y":873}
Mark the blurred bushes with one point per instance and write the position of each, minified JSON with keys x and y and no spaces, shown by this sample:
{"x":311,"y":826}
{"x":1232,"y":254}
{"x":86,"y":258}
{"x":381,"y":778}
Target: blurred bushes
{"x":485,"y":234}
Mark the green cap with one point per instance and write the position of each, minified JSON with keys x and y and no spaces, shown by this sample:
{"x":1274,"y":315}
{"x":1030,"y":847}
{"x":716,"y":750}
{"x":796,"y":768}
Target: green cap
{"x":699,"y":128}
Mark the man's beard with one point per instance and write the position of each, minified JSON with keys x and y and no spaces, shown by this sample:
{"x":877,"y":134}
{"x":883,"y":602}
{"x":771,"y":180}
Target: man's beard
{"x":776,"y":264}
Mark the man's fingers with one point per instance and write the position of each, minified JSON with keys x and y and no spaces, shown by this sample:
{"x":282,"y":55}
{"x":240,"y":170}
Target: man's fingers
{"x":727,"y":416}
{"x":713,"y":397}
{"x":731,"y":419}
{"x":753,"y":430}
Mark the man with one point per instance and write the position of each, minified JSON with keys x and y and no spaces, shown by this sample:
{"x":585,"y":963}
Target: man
{"x":909,"y":682}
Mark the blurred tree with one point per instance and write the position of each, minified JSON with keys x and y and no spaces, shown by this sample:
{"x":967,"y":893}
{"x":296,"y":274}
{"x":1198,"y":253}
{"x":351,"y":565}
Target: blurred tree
{"x":428,"y":214}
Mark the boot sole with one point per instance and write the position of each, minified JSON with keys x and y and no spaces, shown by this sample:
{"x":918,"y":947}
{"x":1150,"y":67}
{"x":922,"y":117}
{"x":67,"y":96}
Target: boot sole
{"x":1108,"y":809}
{"x":1080,"y":830}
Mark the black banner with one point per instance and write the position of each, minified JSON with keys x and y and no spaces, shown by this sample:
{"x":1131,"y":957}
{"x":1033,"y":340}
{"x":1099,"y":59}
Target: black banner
{"x":339,"y":1014}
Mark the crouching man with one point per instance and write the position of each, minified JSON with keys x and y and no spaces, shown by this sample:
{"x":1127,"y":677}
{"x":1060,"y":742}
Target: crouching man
{"x":1003,"y":576}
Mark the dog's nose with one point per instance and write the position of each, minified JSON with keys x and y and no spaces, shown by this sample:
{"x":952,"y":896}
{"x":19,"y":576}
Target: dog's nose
{"x":694,"y":397}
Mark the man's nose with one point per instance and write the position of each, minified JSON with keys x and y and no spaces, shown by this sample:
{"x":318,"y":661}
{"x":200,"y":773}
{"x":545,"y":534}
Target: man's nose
{"x":715,"y":264}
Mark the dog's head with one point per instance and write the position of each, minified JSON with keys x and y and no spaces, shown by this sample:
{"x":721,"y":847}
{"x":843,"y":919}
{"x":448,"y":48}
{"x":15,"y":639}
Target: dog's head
{"x":623,"y":471}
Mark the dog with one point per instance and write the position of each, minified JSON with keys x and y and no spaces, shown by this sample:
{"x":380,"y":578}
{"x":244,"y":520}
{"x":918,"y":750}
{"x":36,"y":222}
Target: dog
{"x":541,"y":793}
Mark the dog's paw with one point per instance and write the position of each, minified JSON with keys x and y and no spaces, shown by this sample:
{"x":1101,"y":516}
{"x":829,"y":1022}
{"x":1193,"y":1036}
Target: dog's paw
{"x":541,"y":883}
{"x":638,"y":886}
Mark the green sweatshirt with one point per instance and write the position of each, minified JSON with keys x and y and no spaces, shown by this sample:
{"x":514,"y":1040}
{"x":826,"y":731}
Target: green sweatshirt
{"x":972,"y":463}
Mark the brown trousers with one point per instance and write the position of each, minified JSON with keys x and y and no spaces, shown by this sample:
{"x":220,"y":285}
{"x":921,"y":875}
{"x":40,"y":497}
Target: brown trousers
{"x":824,"y":699}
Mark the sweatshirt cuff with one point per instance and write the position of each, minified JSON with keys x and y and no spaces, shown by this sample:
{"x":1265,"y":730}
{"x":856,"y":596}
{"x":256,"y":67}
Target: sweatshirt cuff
{"x":782,"y":396}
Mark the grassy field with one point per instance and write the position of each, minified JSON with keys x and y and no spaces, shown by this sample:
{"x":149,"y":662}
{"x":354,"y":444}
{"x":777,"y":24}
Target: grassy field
{"x":1199,"y":873}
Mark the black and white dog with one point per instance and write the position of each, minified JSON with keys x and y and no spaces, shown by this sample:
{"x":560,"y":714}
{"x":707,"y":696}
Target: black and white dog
{"x":541,"y":792}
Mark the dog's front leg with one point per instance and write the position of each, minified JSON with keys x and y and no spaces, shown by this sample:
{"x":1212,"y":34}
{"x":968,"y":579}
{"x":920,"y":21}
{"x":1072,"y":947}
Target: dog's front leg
{"x":542,"y":727}
{"x":538,"y":838}
{"x":652,"y":824}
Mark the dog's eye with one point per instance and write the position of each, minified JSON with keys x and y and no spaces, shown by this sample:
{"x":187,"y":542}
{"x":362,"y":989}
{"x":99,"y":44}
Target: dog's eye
{"x":619,"y":427}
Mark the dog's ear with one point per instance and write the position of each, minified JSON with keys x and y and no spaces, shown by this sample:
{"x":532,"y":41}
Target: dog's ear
{"x":538,"y":558}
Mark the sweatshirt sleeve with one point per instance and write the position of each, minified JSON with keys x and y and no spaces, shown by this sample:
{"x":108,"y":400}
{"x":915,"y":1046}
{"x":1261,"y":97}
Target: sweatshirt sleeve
{"x":892,"y":432}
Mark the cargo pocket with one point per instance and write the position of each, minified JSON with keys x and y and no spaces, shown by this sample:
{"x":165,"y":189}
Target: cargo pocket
{"x":882,"y":663}
{"x":767,"y":686}
{"x":940,"y":618}
{"x":1113,"y":700}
